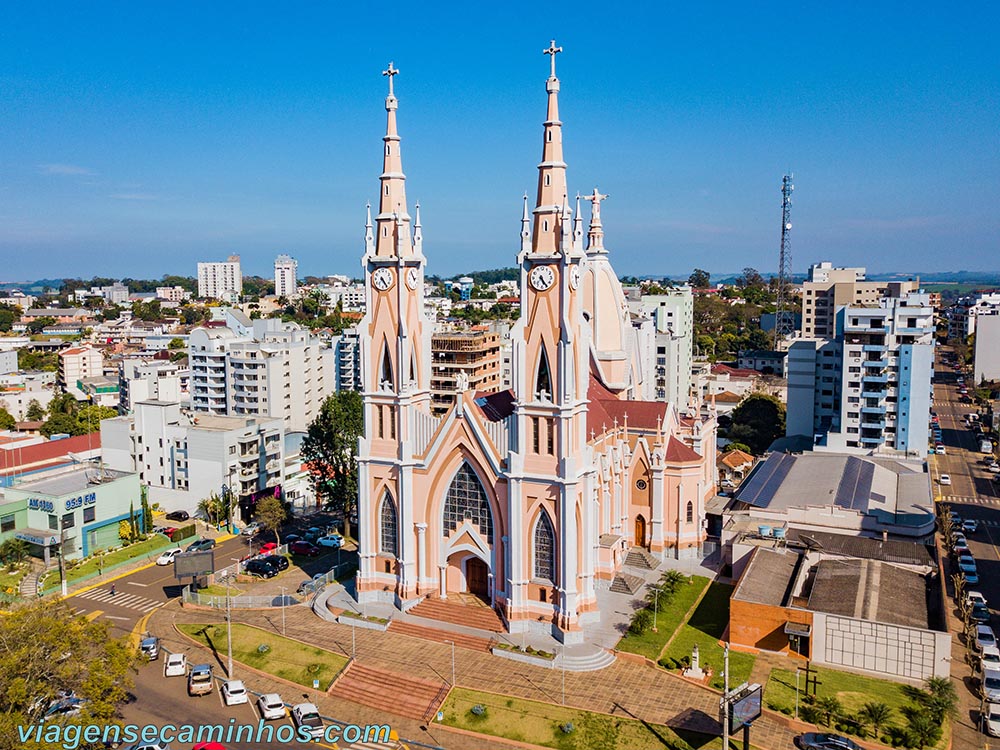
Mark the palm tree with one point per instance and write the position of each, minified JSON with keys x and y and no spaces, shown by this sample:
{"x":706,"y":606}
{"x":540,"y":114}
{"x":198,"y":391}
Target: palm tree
{"x":877,"y":714}
{"x":942,"y":698}
{"x":829,"y":706}
{"x":923,"y":730}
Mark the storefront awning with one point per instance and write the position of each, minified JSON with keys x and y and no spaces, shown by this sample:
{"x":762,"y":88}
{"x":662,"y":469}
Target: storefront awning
{"x":37,"y":536}
{"x":801,"y":629}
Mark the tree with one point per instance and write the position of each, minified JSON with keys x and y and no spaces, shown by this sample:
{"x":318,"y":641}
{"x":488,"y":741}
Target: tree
{"x":40,"y":323}
{"x":830,"y":707}
{"x":271,"y":514}
{"x":922,"y":730}
{"x":46,"y":648}
{"x":59,"y":424}
{"x":213,"y":508}
{"x":877,"y":714}
{"x":147,"y":514}
{"x":7,"y":318}
{"x":7,"y":420}
{"x":176,"y":343}
{"x":940,"y":697}
{"x":758,"y":421}
{"x":734,"y":446}
{"x":13,"y":551}
{"x":34,"y":412}
{"x":330,"y":449}
{"x":700,"y":279}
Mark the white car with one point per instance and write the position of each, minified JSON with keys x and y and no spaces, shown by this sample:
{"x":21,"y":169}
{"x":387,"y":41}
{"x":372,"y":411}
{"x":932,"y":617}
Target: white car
{"x":990,"y":716}
{"x":331,"y":540}
{"x":944,"y":479}
{"x":974,"y":597}
{"x":251,"y":529}
{"x":271,"y":707}
{"x":234,"y":692}
{"x":306,"y":715}
{"x":175,"y":666}
{"x":168,"y":555}
{"x":941,"y":450}
{"x":989,"y":658}
{"x":985,"y":637}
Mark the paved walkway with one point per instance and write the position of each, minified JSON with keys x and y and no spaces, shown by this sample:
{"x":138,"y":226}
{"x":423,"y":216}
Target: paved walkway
{"x":625,"y":688}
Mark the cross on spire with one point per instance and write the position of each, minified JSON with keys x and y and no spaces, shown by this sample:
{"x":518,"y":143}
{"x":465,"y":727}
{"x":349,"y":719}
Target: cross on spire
{"x":595,"y":199}
{"x":553,"y":50}
{"x":391,"y":71}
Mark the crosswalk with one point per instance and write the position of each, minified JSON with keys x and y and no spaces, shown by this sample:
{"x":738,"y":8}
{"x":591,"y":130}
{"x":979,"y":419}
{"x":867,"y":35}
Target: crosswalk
{"x":120,"y":599}
{"x":970,"y":500}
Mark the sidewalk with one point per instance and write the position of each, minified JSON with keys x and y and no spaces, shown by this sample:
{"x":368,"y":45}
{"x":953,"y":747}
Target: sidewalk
{"x":624,"y":688}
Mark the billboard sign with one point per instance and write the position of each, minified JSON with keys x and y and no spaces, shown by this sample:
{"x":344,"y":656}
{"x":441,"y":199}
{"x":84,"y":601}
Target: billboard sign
{"x":745,"y":706}
{"x":194,"y":564}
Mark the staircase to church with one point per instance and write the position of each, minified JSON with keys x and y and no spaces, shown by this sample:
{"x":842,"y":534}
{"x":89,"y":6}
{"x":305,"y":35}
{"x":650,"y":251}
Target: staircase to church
{"x":470,"y":615}
{"x":461,"y":640}
{"x":640,"y":558}
{"x":391,"y":692}
{"x":626,"y":583}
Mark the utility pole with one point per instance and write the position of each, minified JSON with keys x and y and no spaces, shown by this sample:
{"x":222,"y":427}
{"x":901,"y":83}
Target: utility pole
{"x":229,"y":633}
{"x":725,"y":698}
{"x":782,"y":325}
{"x":283,"y":602}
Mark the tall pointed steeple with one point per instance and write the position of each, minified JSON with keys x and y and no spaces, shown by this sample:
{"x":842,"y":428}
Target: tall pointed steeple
{"x":392,"y":197}
{"x":552,"y":169}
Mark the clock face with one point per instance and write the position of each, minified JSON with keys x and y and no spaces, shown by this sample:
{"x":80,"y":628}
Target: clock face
{"x":574,"y":277}
{"x":412,"y":278}
{"x":542,"y":277}
{"x":382,"y":279}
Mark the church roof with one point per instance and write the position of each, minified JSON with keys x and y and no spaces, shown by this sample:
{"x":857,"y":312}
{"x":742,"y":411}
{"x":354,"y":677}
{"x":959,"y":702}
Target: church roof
{"x":496,"y":406}
{"x":605,"y":408}
{"x":678,"y":452}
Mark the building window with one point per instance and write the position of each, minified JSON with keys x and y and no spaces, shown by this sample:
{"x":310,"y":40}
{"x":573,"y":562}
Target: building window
{"x":381,"y":421}
{"x":550,"y":436}
{"x":690,"y":512}
{"x":535,"y":440}
{"x":392,"y":422}
{"x":232,"y":450}
{"x":640,"y":484}
{"x":54,"y":522}
{"x":466,"y":501}
{"x":7,"y":522}
{"x":545,"y":548}
{"x":68,"y":520}
{"x":388,"y":532}
{"x":89,"y":514}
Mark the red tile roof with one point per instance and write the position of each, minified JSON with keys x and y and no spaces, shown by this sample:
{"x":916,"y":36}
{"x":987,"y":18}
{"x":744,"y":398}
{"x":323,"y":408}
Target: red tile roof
{"x":605,"y":408}
{"x":734,"y":372}
{"x":735,"y":459}
{"x":47,"y":452}
{"x":727,"y":397}
{"x":678,"y":452}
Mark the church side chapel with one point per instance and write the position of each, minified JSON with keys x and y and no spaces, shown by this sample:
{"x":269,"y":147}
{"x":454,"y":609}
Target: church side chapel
{"x":522,"y":503}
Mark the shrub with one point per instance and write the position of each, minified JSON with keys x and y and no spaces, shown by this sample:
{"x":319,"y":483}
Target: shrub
{"x":567,"y":728}
{"x":478,"y":710}
{"x":263,"y":648}
{"x":313,"y":668}
{"x":641,"y":622}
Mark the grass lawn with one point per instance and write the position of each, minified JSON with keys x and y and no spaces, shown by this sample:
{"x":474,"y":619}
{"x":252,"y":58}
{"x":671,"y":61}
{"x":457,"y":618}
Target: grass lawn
{"x":9,"y":582}
{"x":540,"y":724}
{"x":650,"y":644}
{"x":852,"y":690}
{"x":217,"y":590}
{"x":286,"y":658}
{"x":706,"y":626}
{"x":148,"y":549}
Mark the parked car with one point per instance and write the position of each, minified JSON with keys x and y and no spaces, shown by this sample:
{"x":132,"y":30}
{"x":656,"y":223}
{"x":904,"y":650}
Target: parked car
{"x":291,"y":539}
{"x":985,"y":637}
{"x":271,"y":707}
{"x":178,"y":515}
{"x":200,"y":680}
{"x":974,"y":597}
{"x":331,"y":540}
{"x":176,"y":665}
{"x":970,"y":526}
{"x":960,"y":547}
{"x":991,"y":685}
{"x":312,"y":533}
{"x":251,"y":529}
{"x":63,"y":708}
{"x":980,"y":613}
{"x":168,"y":531}
{"x":278,"y":561}
{"x":268,"y":548}
{"x":306,"y":715}
{"x":303,"y":547}
{"x":311,"y":584}
{"x":150,"y":647}
{"x":944,"y":479}
{"x":260,"y":568}
{"x":234,"y":692}
{"x":167,"y":558}
{"x":989,"y":658}
{"x":823,"y":741}
{"x":201,"y":545}
{"x":990,"y":718}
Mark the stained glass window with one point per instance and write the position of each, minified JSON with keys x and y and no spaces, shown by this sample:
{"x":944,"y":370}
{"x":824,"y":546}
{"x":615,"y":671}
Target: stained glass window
{"x":466,"y":501}
{"x":389,"y":533}
{"x":545,"y":548}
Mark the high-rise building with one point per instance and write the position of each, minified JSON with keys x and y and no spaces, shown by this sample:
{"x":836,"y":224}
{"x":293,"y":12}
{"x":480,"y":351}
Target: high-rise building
{"x":470,"y":357}
{"x":145,"y":379}
{"x":986,"y":365}
{"x":79,"y":362}
{"x":271,"y":369}
{"x":869,"y":388}
{"x":827,"y":288}
{"x":285,"y":280}
{"x":222,"y":281}
{"x":668,"y":375}
{"x":347,"y":361}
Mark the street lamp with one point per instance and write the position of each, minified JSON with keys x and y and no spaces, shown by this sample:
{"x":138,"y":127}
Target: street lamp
{"x":282,"y":610}
{"x":452,"y":662}
{"x":229,"y":632}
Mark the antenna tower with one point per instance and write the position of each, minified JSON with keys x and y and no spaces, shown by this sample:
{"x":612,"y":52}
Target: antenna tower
{"x":784,"y":324}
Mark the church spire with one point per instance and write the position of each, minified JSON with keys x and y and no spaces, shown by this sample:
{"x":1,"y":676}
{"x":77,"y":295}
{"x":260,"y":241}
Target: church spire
{"x":552,"y":169}
{"x":595,"y":237}
{"x":369,"y":232}
{"x":525,"y":227}
{"x":392,"y":197}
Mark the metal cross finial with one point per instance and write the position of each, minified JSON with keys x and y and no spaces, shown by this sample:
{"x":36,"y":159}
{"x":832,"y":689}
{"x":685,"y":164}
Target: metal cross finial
{"x":390,"y":72}
{"x":553,"y":50}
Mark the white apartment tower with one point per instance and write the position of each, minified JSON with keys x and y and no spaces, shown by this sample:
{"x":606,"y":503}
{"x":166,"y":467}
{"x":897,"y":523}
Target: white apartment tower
{"x":223,"y":281}
{"x":285,"y":279}
{"x":667,"y":367}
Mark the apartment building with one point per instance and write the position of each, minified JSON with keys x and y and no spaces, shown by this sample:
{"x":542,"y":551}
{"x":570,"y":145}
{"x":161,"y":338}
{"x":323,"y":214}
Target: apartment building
{"x":470,"y":359}
{"x":827,"y":289}
{"x":285,"y":278}
{"x":77,"y":363}
{"x":869,"y":388}
{"x":271,"y":369}
{"x":986,"y":365}
{"x":962,"y":316}
{"x":143,"y":379}
{"x":347,"y":360}
{"x":185,"y":457}
{"x":176,"y":294}
{"x":667,"y":369}
{"x":223,"y":280}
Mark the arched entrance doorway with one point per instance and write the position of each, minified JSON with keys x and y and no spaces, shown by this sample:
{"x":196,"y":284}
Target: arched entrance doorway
{"x":477,"y":577}
{"x":640,"y":531}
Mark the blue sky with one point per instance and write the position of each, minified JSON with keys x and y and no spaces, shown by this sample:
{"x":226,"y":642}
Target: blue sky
{"x":139,"y":138}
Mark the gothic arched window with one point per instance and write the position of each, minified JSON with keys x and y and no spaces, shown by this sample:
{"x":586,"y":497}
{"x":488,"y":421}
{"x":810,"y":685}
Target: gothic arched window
{"x":543,"y":381}
{"x":466,"y":501}
{"x":690,"y":512}
{"x":386,"y":376}
{"x":544,"y":549}
{"x":388,"y":533}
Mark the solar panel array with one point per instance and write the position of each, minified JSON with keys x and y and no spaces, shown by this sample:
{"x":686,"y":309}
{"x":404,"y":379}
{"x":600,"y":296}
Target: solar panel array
{"x":855,"y":486}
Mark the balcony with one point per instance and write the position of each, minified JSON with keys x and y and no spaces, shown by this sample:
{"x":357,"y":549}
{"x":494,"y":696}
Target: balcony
{"x":878,"y":348}
{"x":879,"y":410}
{"x":871,"y":440}
{"x":867,"y":424}
{"x":913,"y":331}
{"x":875,"y":378}
{"x":879,"y":363}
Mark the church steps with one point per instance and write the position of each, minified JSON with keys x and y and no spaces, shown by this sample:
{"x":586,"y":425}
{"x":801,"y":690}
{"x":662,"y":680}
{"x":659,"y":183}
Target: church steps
{"x":481,"y":618}
{"x":461,"y":640}
{"x":395,"y":693}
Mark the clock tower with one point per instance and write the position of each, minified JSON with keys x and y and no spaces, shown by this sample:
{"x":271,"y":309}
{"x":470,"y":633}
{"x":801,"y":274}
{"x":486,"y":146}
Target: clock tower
{"x":395,"y":360}
{"x":548,"y":471}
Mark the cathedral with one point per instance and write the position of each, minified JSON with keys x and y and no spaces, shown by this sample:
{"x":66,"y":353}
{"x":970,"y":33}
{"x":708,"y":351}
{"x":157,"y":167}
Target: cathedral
{"x":528,"y":498}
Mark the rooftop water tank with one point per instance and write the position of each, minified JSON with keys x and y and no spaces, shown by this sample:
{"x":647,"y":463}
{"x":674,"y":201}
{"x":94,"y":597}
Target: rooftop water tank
{"x":764,"y":530}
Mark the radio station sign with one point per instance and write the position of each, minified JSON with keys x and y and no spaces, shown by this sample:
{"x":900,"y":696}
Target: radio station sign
{"x":47,"y":506}
{"x":42,"y":541}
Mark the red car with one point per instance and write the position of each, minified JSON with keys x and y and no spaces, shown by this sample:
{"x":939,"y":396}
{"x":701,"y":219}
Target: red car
{"x":266,"y":549}
{"x":302,"y":547}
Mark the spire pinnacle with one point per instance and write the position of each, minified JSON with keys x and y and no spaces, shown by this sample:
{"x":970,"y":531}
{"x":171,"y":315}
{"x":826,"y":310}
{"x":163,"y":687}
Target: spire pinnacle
{"x":525,"y":227}
{"x":595,"y":237}
{"x":552,"y":51}
{"x":390,"y":72}
{"x":369,"y":233}
{"x":392,"y":234}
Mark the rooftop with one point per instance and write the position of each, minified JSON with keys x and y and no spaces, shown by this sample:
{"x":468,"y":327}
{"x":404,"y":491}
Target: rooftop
{"x":870,"y":590}
{"x":73,"y":480}
{"x":768,"y":577}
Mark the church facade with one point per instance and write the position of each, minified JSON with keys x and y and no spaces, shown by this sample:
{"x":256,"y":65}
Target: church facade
{"x":528,"y":498}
